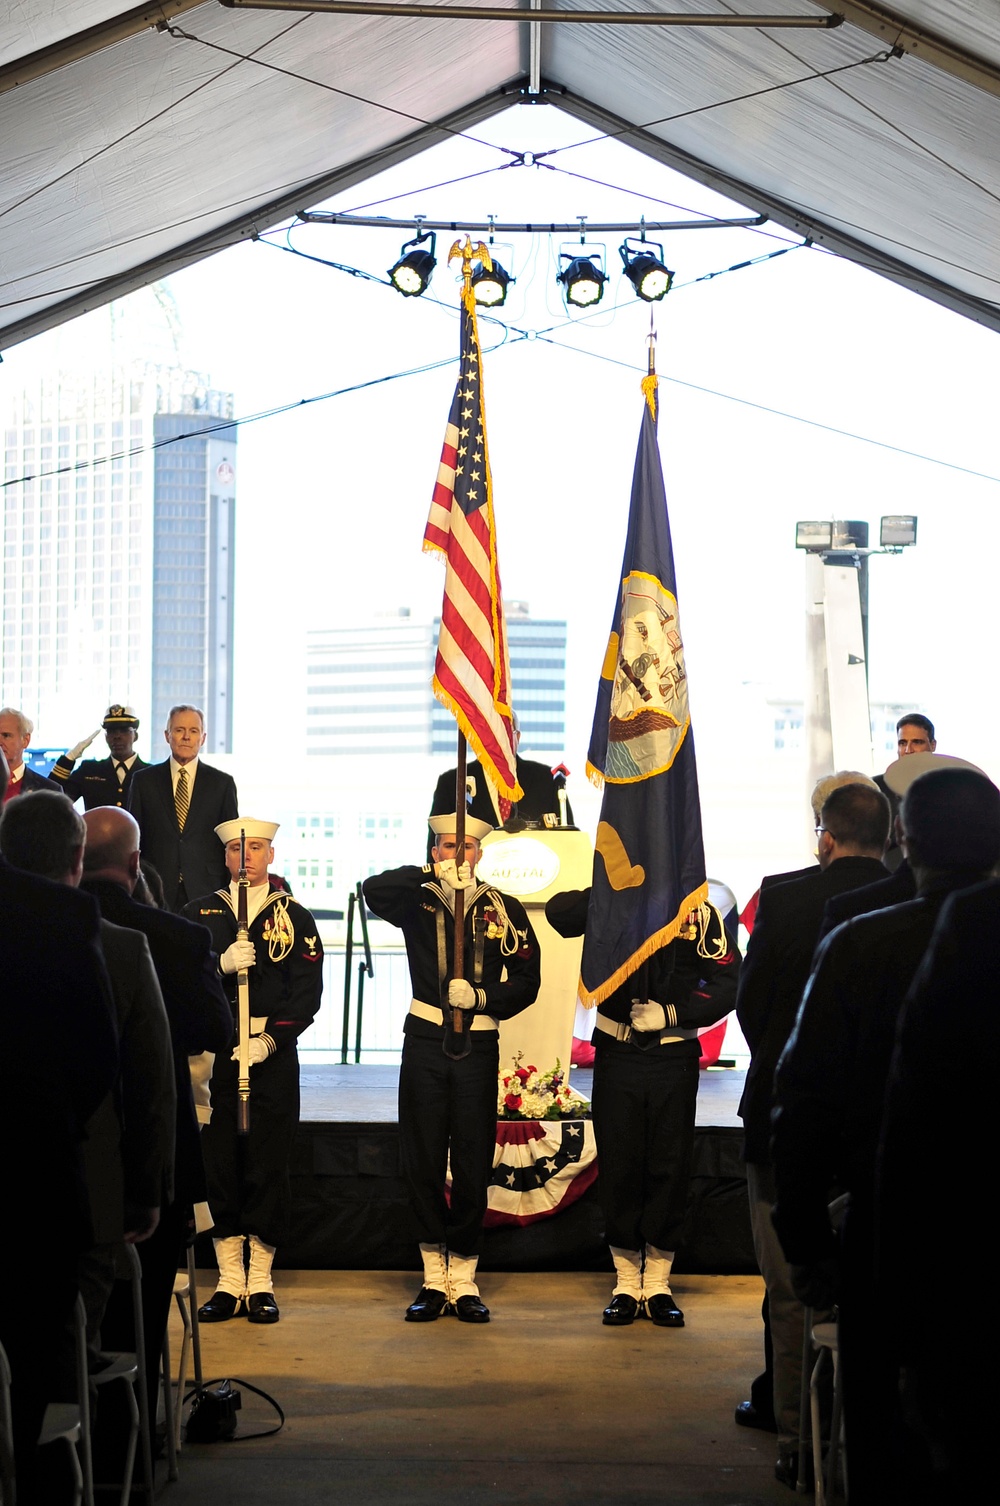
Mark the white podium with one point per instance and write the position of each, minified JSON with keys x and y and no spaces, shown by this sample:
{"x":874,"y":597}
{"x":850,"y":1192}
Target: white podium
{"x":533,"y":865}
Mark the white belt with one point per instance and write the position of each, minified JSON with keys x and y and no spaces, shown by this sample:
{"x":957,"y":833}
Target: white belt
{"x":623,"y":1032}
{"x":435,"y":1014}
{"x":258,"y":1024}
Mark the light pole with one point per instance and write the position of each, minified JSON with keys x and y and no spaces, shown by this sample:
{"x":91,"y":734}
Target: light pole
{"x":837,"y":716}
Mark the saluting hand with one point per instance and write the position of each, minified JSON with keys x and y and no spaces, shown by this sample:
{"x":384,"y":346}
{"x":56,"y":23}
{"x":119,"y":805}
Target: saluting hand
{"x":81,"y":747}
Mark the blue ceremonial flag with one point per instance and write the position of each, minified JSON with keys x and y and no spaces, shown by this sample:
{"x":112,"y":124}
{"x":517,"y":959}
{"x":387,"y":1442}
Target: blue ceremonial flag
{"x":649,"y":864}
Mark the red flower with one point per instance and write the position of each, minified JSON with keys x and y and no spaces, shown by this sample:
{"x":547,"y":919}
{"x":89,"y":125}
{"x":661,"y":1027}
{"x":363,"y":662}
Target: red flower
{"x":523,"y":1073}
{"x":512,"y":1102}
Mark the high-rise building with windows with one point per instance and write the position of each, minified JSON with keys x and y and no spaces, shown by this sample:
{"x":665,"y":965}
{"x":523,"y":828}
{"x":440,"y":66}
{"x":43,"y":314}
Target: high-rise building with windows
{"x":369,"y":692}
{"x":118,"y":526}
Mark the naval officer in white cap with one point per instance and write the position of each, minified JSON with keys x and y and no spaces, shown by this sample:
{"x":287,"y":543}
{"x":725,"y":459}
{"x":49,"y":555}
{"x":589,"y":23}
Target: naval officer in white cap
{"x":248,"y":1182}
{"x":445,"y":1103}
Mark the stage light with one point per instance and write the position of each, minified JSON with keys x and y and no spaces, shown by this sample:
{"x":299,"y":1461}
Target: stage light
{"x":583,"y":282}
{"x":490,"y":288}
{"x":648,"y":274}
{"x":412,"y":272}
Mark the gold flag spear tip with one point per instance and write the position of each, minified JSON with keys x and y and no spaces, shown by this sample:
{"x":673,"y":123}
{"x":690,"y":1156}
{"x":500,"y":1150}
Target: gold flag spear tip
{"x":650,"y":381}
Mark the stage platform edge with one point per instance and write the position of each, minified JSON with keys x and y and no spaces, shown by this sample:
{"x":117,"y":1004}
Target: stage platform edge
{"x":350,"y":1211}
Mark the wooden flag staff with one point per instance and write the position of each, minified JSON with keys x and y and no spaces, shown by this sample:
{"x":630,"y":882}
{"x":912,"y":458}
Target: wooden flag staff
{"x":457,"y":1044}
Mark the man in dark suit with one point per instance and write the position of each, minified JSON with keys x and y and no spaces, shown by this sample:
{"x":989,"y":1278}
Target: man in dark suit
{"x":758,"y":1411}
{"x":59,"y":1060}
{"x":15,"y":735}
{"x":936,"y":1158}
{"x":178,"y":804}
{"x":541,"y":793}
{"x":200,"y":1020}
{"x":102,"y":781}
{"x":129,"y":1150}
{"x":852,"y":831}
{"x":829,"y":1095}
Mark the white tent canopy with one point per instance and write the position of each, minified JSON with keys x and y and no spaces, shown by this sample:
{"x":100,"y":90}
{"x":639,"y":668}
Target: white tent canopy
{"x":130,"y":151}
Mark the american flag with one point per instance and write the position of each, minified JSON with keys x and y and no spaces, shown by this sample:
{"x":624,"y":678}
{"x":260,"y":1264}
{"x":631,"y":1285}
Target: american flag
{"x":472,"y":668}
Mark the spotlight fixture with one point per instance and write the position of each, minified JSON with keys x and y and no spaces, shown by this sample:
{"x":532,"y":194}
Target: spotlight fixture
{"x":412,"y":272}
{"x":490,"y":288}
{"x":647,"y":273}
{"x":583,"y":281}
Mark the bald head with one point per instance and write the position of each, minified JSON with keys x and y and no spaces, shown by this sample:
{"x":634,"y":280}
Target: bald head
{"x":112,"y":850}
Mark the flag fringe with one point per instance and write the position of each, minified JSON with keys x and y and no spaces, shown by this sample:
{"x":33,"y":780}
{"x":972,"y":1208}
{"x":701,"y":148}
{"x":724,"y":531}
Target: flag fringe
{"x":595,"y":775}
{"x":653,"y":944}
{"x":509,"y":792}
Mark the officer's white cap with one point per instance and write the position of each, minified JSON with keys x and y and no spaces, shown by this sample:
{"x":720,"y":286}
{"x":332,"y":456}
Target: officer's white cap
{"x":445,"y":826}
{"x":901,"y":774}
{"x":229,"y":831}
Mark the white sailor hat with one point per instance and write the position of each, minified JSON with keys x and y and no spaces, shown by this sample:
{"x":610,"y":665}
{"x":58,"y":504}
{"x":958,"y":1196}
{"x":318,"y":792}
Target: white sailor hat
{"x":229,"y":831}
{"x":444,"y":826}
{"x":902,"y":773}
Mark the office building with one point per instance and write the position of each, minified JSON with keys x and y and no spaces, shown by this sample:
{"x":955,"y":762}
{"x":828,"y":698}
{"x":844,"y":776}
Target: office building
{"x":369,"y":692}
{"x":118,"y":527}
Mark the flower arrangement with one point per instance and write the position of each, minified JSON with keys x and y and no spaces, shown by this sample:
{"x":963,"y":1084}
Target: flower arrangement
{"x":525,"y":1093}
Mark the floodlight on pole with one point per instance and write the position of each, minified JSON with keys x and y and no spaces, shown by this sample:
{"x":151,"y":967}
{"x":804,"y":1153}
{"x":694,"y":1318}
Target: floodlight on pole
{"x":648,"y":274}
{"x":898,"y":531}
{"x":412,"y":272}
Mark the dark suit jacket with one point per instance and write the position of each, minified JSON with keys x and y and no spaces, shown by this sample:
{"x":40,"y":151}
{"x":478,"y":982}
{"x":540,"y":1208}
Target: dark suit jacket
{"x":94,"y":780}
{"x":773,"y":976}
{"x":58,"y":1051}
{"x":29,"y":780}
{"x":195,"y":854}
{"x":895,"y":889}
{"x":129,"y":1151}
{"x":536,"y":780}
{"x":197,"y":1009}
{"x":830,"y":1083}
{"x":939,"y":1131}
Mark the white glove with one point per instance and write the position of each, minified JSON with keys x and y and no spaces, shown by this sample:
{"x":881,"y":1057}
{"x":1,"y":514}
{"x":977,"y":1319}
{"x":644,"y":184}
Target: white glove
{"x":454,"y":876}
{"x":238,"y":956}
{"x":461,"y":994}
{"x":257,"y":1051}
{"x":647,"y":1015}
{"x":81,"y":747}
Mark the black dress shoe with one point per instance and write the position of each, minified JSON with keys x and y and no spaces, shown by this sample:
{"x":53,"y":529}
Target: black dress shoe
{"x":220,"y":1307}
{"x":427,"y":1305}
{"x":620,"y":1310}
{"x":749,"y":1416}
{"x":472,"y":1309}
{"x":664,"y":1311}
{"x":262,"y":1308}
{"x":786,"y":1470}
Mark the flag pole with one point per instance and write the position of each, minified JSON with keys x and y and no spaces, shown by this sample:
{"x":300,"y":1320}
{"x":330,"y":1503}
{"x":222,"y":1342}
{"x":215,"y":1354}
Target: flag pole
{"x":457,"y":1043}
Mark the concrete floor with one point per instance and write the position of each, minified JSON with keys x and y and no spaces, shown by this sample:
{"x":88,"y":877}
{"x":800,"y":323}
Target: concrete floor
{"x":542,"y":1405}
